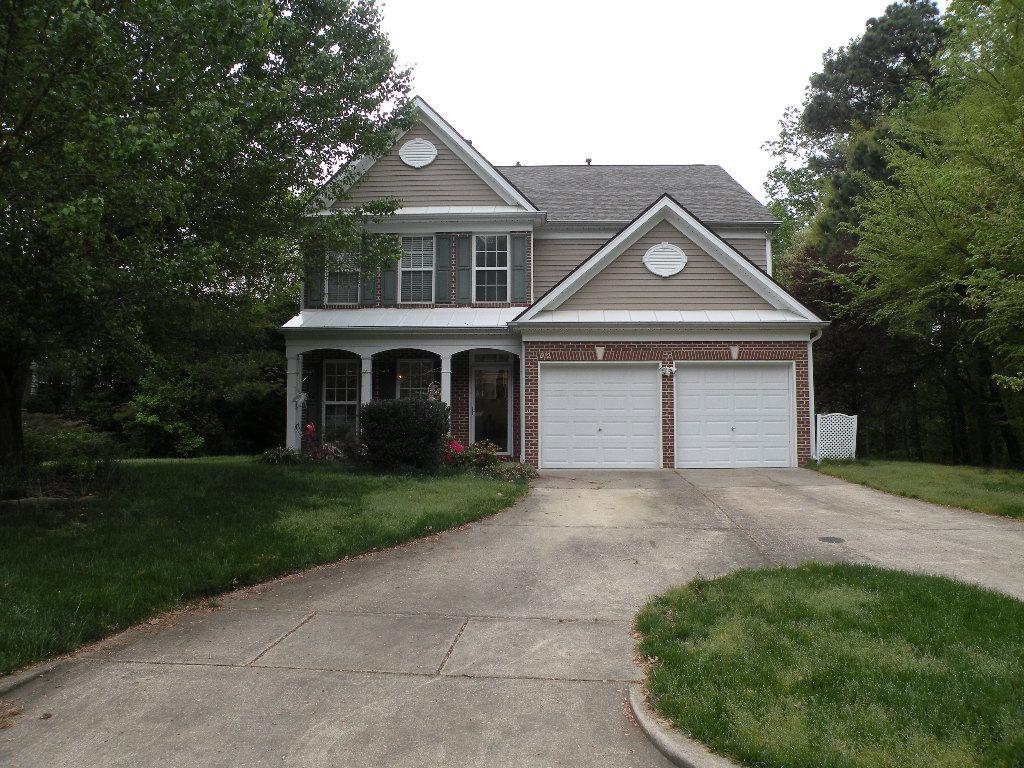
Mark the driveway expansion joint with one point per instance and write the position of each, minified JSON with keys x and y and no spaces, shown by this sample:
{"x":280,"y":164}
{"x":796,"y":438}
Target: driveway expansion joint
{"x":280,"y":640}
{"x":452,"y":646}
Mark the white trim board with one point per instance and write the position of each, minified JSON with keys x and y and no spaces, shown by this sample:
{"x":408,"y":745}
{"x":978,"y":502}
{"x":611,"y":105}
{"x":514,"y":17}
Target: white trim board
{"x":667,"y":209}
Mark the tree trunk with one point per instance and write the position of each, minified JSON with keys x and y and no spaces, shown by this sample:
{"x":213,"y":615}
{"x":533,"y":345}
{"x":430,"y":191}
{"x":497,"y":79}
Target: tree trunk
{"x":1006,"y":430}
{"x":958,"y":425}
{"x":14,"y":374}
{"x":916,"y":447}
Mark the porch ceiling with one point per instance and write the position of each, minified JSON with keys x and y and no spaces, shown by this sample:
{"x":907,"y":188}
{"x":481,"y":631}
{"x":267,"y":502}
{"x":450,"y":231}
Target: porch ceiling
{"x":411,"y":319}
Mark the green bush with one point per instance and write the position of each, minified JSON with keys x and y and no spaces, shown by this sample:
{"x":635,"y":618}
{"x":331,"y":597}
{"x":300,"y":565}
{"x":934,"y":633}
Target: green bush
{"x":401,"y":434}
{"x":280,"y":455}
{"x":481,"y":455}
{"x":62,"y":458}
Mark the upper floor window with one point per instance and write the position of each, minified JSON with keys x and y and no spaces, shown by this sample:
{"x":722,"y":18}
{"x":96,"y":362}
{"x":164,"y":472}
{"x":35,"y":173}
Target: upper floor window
{"x":342,"y":280}
{"x":416,"y":269}
{"x":414,"y":379}
{"x":490,"y":268}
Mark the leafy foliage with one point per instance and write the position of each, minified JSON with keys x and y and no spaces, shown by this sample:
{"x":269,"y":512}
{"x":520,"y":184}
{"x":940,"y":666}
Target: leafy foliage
{"x":400,"y":434}
{"x":906,"y":154}
{"x":63,"y":458}
{"x":157,"y":159}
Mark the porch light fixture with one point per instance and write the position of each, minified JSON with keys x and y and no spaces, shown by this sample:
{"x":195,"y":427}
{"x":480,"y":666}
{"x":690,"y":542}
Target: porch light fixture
{"x":599,"y":352}
{"x":668,"y":370}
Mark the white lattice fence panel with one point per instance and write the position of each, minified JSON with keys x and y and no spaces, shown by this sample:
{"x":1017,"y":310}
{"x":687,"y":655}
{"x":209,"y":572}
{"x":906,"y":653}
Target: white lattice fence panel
{"x":837,"y":436}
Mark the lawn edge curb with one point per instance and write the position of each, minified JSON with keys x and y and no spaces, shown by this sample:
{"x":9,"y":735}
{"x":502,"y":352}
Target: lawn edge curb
{"x":23,"y":677}
{"x":679,"y":749}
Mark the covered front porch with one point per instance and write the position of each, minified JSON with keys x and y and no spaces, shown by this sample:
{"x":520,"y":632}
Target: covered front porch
{"x":479,"y":378}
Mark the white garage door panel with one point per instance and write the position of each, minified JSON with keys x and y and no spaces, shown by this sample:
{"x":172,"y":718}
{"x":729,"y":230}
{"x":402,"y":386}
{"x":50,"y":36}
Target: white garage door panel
{"x":734,"y":415}
{"x":600,"y":416}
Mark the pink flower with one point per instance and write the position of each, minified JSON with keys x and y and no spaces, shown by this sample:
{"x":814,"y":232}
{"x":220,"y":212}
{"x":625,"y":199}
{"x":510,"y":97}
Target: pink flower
{"x":311,"y":431}
{"x":455,"y":446}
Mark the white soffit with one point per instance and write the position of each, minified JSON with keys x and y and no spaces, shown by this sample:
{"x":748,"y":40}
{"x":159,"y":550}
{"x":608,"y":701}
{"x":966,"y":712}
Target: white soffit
{"x":666,"y":317}
{"x":397,"y":317}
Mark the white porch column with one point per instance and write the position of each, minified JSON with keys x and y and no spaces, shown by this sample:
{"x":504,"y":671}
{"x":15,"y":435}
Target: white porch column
{"x":294,"y":399}
{"x":446,"y":379}
{"x":366,"y":382}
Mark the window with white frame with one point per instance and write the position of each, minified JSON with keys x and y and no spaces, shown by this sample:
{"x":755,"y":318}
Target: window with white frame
{"x":414,"y":378}
{"x":342,"y":280}
{"x":416,"y":269}
{"x":341,"y":399}
{"x":490,"y":268}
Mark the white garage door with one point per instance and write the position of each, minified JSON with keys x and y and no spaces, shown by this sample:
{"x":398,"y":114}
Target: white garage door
{"x":734,"y":415}
{"x":600,"y":415}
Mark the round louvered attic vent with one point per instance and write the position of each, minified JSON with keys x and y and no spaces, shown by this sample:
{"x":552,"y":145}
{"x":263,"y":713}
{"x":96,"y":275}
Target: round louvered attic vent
{"x":417,"y":153}
{"x":665,"y":259}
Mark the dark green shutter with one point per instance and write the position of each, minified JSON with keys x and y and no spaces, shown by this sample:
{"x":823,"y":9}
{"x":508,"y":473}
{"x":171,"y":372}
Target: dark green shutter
{"x":463,"y":269}
{"x":443,"y":270}
{"x":518,"y":268}
{"x":313,"y":287}
{"x":368,"y":289}
{"x":387,"y":286}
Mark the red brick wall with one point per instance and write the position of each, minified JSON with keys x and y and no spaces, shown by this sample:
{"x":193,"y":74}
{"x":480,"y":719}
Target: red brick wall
{"x":460,"y":396}
{"x":536,"y":352}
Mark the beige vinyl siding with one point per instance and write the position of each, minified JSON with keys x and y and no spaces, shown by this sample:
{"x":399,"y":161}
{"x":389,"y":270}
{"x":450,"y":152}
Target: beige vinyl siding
{"x":446,"y":181}
{"x":703,"y":283}
{"x":554,"y":259}
{"x":755,"y":249}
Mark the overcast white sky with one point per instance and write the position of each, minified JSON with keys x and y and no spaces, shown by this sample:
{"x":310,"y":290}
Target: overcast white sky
{"x":543,"y":82}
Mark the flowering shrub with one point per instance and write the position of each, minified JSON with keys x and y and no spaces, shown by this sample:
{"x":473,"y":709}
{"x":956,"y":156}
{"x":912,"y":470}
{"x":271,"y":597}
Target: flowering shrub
{"x":452,"y":452}
{"x":482,"y":454}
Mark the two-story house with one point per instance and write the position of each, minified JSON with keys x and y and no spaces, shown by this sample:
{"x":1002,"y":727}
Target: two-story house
{"x":577,"y":316}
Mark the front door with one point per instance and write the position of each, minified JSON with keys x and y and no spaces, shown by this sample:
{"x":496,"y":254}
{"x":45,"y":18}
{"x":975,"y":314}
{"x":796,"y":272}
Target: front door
{"x":491,"y":418}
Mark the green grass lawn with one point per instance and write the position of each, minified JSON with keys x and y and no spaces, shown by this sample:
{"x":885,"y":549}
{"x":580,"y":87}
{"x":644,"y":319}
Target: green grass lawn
{"x":176,"y":530}
{"x":995,"y":491}
{"x":840,"y":665}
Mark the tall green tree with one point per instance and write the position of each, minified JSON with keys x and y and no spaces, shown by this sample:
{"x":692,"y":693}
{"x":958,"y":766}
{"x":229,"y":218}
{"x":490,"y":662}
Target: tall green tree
{"x":940,"y":258}
{"x":829,"y":151}
{"x":858,"y":84}
{"x":156,"y":154}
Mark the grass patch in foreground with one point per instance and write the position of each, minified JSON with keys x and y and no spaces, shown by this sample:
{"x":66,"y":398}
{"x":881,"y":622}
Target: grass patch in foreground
{"x":176,"y":530}
{"x":995,"y":491}
{"x":840,"y":665}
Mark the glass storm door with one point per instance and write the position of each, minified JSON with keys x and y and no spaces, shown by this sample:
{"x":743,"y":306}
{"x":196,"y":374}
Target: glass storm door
{"x":492,"y":417}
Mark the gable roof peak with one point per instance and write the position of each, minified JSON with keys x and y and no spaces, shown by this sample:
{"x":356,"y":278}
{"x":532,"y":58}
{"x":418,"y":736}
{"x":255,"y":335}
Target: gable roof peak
{"x":667,"y":208}
{"x":454,"y":141}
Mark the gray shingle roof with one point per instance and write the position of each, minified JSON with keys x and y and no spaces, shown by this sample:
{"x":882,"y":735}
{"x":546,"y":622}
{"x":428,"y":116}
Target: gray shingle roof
{"x":620,"y":192}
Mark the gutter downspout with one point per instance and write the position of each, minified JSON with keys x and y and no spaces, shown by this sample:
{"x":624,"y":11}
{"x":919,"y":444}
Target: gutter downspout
{"x":810,"y":392}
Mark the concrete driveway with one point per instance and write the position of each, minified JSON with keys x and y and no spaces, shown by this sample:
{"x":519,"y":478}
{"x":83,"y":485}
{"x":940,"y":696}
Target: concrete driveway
{"x":504,"y":643}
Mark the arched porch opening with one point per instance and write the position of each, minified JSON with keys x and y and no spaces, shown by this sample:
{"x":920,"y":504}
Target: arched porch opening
{"x":481,"y":384}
